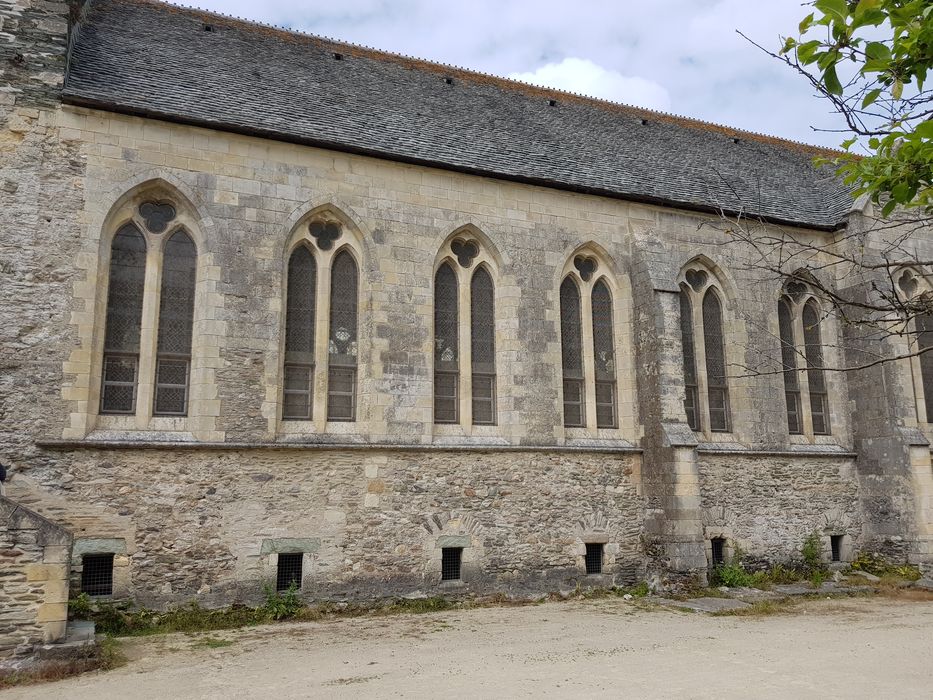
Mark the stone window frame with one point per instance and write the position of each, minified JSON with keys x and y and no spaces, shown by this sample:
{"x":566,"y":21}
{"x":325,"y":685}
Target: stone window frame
{"x":797,"y":294}
{"x":625,"y":390}
{"x":200,"y":413}
{"x":350,"y":240}
{"x":610,"y":554}
{"x":696,"y":296}
{"x":122,"y":584}
{"x":470,"y":559}
{"x":911,"y":283}
{"x":270,"y":549}
{"x":486,"y":259}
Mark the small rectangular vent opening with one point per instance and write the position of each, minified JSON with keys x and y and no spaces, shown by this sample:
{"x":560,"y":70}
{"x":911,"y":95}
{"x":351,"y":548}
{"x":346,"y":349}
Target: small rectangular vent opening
{"x":451,"y":560}
{"x":97,"y":574}
{"x":594,"y":557}
{"x":289,"y":571}
{"x":835,"y":543}
{"x":719,"y":551}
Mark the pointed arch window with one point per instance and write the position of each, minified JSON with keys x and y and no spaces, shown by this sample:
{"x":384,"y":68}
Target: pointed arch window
{"x":300,"y":304}
{"x":176,"y":319}
{"x":342,"y":340}
{"x":483,"y":347}
{"x":125,"y":293}
{"x":706,"y":399}
{"x":805,"y":389}
{"x":446,"y":346}
{"x":571,"y":346}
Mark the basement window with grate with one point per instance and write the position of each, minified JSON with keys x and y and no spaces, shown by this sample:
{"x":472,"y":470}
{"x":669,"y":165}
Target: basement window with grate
{"x":289,"y":571}
{"x":97,"y":574}
{"x":718,"y":545}
{"x":451,"y":560}
{"x":835,"y":543}
{"x":594,"y":557}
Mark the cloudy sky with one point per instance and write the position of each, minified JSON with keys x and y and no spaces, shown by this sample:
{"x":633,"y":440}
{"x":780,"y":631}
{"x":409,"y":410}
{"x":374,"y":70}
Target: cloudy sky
{"x":680,"y":56}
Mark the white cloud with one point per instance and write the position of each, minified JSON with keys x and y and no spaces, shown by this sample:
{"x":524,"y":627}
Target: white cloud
{"x":584,"y":77}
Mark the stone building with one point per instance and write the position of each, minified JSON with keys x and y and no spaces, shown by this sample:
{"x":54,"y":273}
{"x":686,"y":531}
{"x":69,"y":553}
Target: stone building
{"x":279,"y":308}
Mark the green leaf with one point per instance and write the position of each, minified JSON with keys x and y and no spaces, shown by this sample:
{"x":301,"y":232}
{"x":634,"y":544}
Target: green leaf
{"x":888,"y":208}
{"x":839,"y":9}
{"x":871,"y":97}
{"x":876,"y":51}
{"x":925,"y":130}
{"x":805,"y":23}
{"x":847,"y":144}
{"x":806,"y":50}
{"x":898,"y":89}
{"x":831,"y":81}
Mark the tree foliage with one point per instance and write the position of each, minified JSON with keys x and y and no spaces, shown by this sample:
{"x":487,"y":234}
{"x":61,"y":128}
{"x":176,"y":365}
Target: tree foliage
{"x":871,"y":59}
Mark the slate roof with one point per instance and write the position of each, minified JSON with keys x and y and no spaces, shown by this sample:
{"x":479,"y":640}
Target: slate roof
{"x":148,"y":58}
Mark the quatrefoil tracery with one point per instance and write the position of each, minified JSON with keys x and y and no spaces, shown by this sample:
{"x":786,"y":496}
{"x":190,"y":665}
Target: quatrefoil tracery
{"x":796,"y":290}
{"x":325,"y":233}
{"x":696,"y":279}
{"x":908,"y":283}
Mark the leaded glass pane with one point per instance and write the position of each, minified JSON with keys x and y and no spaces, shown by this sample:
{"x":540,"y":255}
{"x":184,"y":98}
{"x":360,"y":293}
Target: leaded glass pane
{"x":176,"y":304}
{"x":690,"y":371}
{"x":300,"y":307}
{"x":446,"y":346}
{"x":789,"y":363}
{"x":342,"y":341}
{"x":171,"y":391}
{"x":297,"y":392}
{"x":606,"y":405}
{"x":127,"y":279}
{"x":816,"y":379}
{"x":715,"y":363}
{"x":125,"y":291}
{"x":571,"y":347}
{"x":604,"y":355}
{"x":483,"y":347}
{"x":925,"y":341}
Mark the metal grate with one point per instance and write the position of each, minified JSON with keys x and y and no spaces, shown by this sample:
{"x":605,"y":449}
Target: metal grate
{"x":835,"y":544}
{"x":816,"y":379}
{"x":299,"y":335}
{"x":925,"y":341}
{"x":571,"y":354}
{"x":446,"y":346}
{"x":289,"y":571}
{"x":124,"y":321}
{"x":594,"y":557}
{"x":604,"y":355}
{"x":483,"y":347}
{"x":690,"y":365}
{"x":718,"y":546}
{"x":97,"y":574}
{"x":451,"y":560}
{"x":342,"y":343}
{"x":717,"y":389}
{"x":789,"y":362}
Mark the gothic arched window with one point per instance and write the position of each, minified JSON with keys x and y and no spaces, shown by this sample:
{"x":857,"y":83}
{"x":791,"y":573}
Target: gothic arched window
{"x":604,"y":356}
{"x":176,"y":319}
{"x":125,"y":290}
{"x":342,"y":339}
{"x":571,"y":346}
{"x":706,"y":402}
{"x":816,"y":379}
{"x":691,"y":399}
{"x":789,"y":363}
{"x":300,"y":305}
{"x":446,"y":346}
{"x":483,"y":347}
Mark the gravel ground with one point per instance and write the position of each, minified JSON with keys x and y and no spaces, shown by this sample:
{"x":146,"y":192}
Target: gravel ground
{"x":848,"y":648}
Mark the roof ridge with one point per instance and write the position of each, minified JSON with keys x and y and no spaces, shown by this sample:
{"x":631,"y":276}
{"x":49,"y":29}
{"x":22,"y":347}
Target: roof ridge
{"x":513,"y":83}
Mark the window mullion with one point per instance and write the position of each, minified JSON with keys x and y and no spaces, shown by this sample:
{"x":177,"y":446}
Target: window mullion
{"x":148,"y":337}
{"x":321,"y":342}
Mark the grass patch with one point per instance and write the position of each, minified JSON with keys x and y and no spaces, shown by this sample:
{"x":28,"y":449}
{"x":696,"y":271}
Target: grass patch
{"x":877,"y":565}
{"x":761,"y":608}
{"x":212,"y":643}
{"x":103,"y":656}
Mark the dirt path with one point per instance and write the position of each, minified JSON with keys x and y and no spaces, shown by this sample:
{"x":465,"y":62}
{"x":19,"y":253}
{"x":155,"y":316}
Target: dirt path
{"x":608,"y":648}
